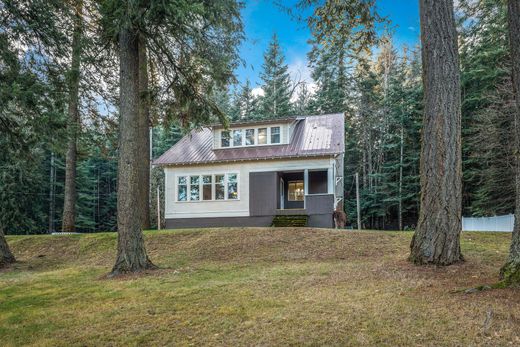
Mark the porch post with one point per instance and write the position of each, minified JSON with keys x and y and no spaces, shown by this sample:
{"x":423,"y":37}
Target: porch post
{"x":305,"y":186}
{"x":330,"y":181}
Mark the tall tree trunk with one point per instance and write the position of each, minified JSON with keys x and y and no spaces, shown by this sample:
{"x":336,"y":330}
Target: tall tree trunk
{"x":70,"y":195}
{"x":6,"y":257}
{"x":437,"y":238}
{"x":401,"y":162}
{"x":144,"y":138}
{"x":131,"y":252}
{"x":510,"y":272}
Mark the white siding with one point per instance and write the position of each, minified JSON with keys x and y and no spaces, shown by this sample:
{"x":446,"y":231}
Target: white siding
{"x":228,"y":208}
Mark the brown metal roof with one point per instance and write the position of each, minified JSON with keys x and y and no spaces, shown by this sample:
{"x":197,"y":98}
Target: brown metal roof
{"x":313,"y":136}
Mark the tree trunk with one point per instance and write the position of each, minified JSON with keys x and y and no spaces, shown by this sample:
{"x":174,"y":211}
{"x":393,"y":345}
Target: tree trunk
{"x":70,"y":195}
{"x":131,"y":252}
{"x":401,"y":162}
{"x":437,"y":238}
{"x":144,"y":137}
{"x":6,"y":257}
{"x":510,"y":272}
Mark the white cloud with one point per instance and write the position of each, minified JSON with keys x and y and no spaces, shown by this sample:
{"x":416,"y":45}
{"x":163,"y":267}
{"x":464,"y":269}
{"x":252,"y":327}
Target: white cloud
{"x":258,"y":91}
{"x":301,"y":73}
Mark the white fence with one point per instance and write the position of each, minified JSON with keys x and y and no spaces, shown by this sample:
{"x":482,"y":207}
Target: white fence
{"x":498,"y":223}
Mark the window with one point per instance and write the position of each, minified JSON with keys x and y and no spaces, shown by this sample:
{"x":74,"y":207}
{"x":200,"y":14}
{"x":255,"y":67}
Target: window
{"x":194,"y":188}
{"x":207,"y":187}
{"x":219,"y":187}
{"x":275,"y":135}
{"x":250,"y":137}
{"x":182,"y":188}
{"x":224,"y":139}
{"x":237,"y":137}
{"x":232,"y":187}
{"x":295,"y":191}
{"x":262,"y":136}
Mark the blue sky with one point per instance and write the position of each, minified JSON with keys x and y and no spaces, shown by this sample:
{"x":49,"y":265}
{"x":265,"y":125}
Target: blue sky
{"x":262,"y":18}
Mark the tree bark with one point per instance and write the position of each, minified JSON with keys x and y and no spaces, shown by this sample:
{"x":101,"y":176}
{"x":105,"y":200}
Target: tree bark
{"x":144,"y":138}
{"x":510,"y":272}
{"x":131,"y":252}
{"x":437,"y":238}
{"x":70,"y":194}
{"x":6,"y":257}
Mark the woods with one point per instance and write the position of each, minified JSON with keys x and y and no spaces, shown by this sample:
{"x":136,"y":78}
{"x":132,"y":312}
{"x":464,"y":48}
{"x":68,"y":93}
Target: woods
{"x":427,"y":152}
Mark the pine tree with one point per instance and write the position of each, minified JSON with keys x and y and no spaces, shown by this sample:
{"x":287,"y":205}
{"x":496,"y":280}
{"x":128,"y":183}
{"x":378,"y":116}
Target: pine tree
{"x":245,"y":104}
{"x":276,"y":101}
{"x":437,"y":237}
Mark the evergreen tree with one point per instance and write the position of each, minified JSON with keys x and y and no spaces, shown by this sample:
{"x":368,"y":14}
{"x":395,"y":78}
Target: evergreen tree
{"x":276,"y":101}
{"x":245,"y":104}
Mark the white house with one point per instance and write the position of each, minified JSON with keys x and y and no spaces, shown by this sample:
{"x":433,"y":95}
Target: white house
{"x":250,"y":173}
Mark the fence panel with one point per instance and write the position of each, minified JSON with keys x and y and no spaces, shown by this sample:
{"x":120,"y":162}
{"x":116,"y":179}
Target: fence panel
{"x":497,"y":223}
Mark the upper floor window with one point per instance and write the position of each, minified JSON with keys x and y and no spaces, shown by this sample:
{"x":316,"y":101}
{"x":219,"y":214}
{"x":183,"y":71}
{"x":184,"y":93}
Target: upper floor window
{"x":275,"y":135}
{"x":237,"y":138}
{"x":250,"y":137}
{"x":262,"y":136}
{"x":224,"y":139}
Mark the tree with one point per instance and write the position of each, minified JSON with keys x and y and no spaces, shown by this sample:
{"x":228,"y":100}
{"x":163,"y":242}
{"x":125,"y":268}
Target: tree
{"x":6,"y":257}
{"x":131,"y":252}
{"x":144,"y":138}
{"x":510,"y":272}
{"x":437,"y":237}
{"x":276,"y":101}
{"x":245,"y":105}
{"x":189,"y":65}
{"x":73,"y":124}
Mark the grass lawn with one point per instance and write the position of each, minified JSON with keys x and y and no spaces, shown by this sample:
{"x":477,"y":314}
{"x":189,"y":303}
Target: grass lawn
{"x":255,"y":287}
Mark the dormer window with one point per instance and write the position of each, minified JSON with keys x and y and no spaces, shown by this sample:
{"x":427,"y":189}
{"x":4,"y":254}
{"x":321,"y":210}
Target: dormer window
{"x":237,"y":138}
{"x":250,"y":137}
{"x":262,"y":136}
{"x":275,"y":135}
{"x":224,"y":139}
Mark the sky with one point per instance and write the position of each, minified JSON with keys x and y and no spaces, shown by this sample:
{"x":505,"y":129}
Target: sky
{"x":263,"y":18}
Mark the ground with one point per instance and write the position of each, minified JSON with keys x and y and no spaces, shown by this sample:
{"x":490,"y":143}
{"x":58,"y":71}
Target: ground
{"x":258,"y":286}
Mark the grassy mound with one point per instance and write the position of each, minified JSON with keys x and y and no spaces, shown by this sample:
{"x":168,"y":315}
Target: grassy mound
{"x":255,"y":287}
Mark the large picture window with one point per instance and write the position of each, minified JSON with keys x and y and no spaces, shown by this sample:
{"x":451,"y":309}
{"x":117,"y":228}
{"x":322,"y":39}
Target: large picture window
{"x":275,"y":135}
{"x":207,"y":187}
{"x":295,"y":191}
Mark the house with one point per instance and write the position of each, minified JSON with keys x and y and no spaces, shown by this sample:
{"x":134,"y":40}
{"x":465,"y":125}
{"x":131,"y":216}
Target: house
{"x":254,"y":172}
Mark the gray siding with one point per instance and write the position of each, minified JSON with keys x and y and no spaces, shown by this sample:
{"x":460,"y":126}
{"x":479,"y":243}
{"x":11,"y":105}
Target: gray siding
{"x":263,"y":193}
{"x":218,"y":222}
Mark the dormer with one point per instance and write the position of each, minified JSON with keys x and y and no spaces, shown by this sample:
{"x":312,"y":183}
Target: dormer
{"x":252,"y":134}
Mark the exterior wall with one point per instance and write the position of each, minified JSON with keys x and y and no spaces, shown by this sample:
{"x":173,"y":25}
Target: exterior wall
{"x":339,"y":189}
{"x":319,"y":207}
{"x":230,"y":208}
{"x":263,"y":187}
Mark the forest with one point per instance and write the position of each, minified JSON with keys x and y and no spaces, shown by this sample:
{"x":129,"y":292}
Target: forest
{"x":378,"y":87}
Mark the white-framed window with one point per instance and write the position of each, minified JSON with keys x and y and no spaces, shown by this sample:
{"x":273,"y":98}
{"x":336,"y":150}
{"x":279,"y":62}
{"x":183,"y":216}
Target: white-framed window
{"x":275,"y":135}
{"x":237,"y":138}
{"x":250,"y":137}
{"x":182,"y":188}
{"x":224,"y":138}
{"x":262,"y":136}
{"x":208,"y":187}
{"x":295,"y":191}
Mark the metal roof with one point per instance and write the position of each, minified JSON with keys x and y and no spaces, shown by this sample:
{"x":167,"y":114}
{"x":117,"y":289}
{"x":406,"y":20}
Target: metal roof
{"x":312,"y":136}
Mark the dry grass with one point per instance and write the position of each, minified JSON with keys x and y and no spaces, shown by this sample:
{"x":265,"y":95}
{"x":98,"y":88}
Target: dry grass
{"x":255,"y":287}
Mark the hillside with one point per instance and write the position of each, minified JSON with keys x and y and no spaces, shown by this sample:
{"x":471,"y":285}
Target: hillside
{"x":254,"y":287}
